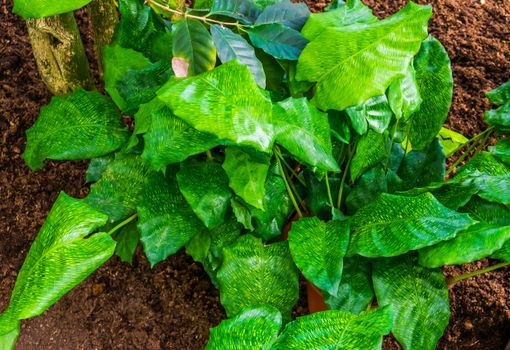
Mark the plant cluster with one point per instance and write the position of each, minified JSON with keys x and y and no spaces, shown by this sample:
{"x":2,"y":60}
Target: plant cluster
{"x":250,"y":115}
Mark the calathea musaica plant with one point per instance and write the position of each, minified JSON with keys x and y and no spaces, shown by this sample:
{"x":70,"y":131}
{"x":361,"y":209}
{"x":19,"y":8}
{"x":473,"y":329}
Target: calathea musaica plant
{"x":249,"y":114}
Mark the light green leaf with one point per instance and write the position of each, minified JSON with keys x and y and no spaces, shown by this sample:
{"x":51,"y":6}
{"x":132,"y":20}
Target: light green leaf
{"x":225,"y":102}
{"x":404,"y":96}
{"x":336,"y":330}
{"x":418,"y":297}
{"x":500,"y":95}
{"x":8,"y":340}
{"x":346,"y":14}
{"x":97,"y":167}
{"x":304,"y":131}
{"x":204,"y":184}
{"x":351,"y":64}
{"x":451,"y":140}
{"x":502,"y":150}
{"x":81,"y":125}
{"x":43,"y":8}
{"x":243,"y":10}
{"x":247,"y":174}
{"x":193,"y":43}
{"x":371,"y":149}
{"x":166,"y":221}
{"x":127,"y":240}
{"x":116,"y":194}
{"x":318,"y":249}
{"x":233,"y":46}
{"x":474,"y":243}
{"x":253,"y":274}
{"x":278,"y":40}
{"x":377,"y":113}
{"x":289,"y":14}
{"x":355,"y":292}
{"x":393,"y":225}
{"x":435,"y":84}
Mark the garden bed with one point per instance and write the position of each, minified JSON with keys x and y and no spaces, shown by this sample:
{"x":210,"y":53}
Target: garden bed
{"x":173,"y":305}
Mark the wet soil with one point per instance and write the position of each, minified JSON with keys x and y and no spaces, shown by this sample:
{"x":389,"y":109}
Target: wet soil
{"x":173,"y":305}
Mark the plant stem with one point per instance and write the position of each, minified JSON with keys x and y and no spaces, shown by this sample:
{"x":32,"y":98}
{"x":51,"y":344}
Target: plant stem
{"x":289,"y":190}
{"x":344,"y":176}
{"x":329,"y":191}
{"x":486,"y":133}
{"x":391,"y":146}
{"x":452,"y":280}
{"x":123,"y":223}
{"x":209,"y":155}
{"x":296,"y":175}
{"x":476,"y":137}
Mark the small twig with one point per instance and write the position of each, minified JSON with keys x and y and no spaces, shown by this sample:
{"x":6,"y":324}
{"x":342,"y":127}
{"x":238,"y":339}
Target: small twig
{"x":123,"y":223}
{"x":450,"y":281}
{"x":486,"y":135}
{"x":289,"y":190}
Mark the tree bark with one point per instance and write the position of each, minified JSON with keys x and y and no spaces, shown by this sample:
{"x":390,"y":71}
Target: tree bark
{"x":104,"y":17}
{"x":59,"y":53}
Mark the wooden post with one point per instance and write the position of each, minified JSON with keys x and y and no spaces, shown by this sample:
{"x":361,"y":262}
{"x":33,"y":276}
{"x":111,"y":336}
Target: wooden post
{"x":104,"y":18}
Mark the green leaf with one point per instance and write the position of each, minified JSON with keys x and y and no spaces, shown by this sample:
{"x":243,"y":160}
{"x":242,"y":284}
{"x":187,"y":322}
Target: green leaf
{"x":474,"y":243}
{"x":499,"y":118}
{"x":336,"y":330}
{"x":503,"y":253}
{"x":253,"y":328}
{"x":451,"y":140}
{"x":59,"y":259}
{"x":242,"y":213}
{"x":168,"y":139}
{"x":291,"y":15}
{"x":500,"y":95}
{"x":435,"y":84}
{"x":404,"y":96}
{"x":243,"y":10}
{"x":355,"y":291}
{"x":97,"y":167}
{"x":502,"y":150}
{"x":304,"y":131}
{"x":346,"y":14}
{"x":339,"y":126}
{"x":377,"y":113}
{"x":116,"y":194}
{"x":418,"y":297}
{"x":233,"y":46}
{"x":360,"y":61}
{"x":367,"y":189}
{"x":393,"y":225}
{"x":166,"y":221}
{"x":247,"y":174}
{"x":81,"y":125}
{"x":43,"y":8}
{"x":317,"y":196}
{"x":489,"y":212}
{"x":253,"y":274}
{"x":8,"y":340}
{"x":484,"y":163}
{"x":127,"y":241}
{"x":225,"y":102}
{"x":494,"y":188}
{"x":318,"y":249}
{"x":278,"y":40}
{"x":205,"y":187}
{"x":371,"y":149}
{"x":193,"y":43}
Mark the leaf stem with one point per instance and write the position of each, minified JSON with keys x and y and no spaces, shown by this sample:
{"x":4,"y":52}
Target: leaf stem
{"x":476,"y":137}
{"x":486,"y":133}
{"x":296,"y":175}
{"x":123,"y":223}
{"x":450,"y":281}
{"x":344,"y":176}
{"x":209,"y":155}
{"x":289,"y":190}
{"x":329,"y":191}
{"x":392,"y":140}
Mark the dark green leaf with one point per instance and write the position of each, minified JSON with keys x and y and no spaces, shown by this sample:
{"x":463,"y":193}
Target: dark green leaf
{"x":489,"y":212}
{"x":500,"y":95}
{"x":502,"y":150}
{"x":278,"y":40}
{"x":81,"y":125}
{"x":368,"y":188}
{"x":43,"y":8}
{"x":286,"y":13}
{"x":339,"y":126}
{"x":371,"y":149}
{"x":503,"y":253}
{"x":418,"y":297}
{"x":404,"y":96}
{"x":243,"y":10}
{"x":484,"y":163}
{"x":127,"y":241}
{"x":97,"y":167}
{"x":500,"y":117}
{"x":317,"y":196}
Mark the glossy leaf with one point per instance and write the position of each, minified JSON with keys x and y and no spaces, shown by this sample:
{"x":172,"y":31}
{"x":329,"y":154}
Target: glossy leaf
{"x":243,"y":10}
{"x":225,"y":102}
{"x":484,"y":163}
{"x":97,"y":167}
{"x":489,"y":212}
{"x":435,"y":83}
{"x":494,"y":188}
{"x":500,"y":118}
{"x":404,"y":96}
{"x":503,"y":253}
{"x":377,"y":113}
{"x":318,"y":249}
{"x":502,"y":150}
{"x":127,"y":241}
{"x":500,"y":95}
{"x":253,"y":328}
{"x":304,"y":131}
{"x":81,"y":125}
{"x":393,"y":225}
{"x":418,"y":297}
{"x":278,"y":40}
{"x":451,"y":140}
{"x":233,"y":46}
{"x":193,"y":43}
{"x":336,"y":330}
{"x":166,"y":221}
{"x":351,"y":64}
{"x":254,"y":274}
{"x":289,"y":14}
{"x":371,"y":149}
{"x":367,"y":189}
{"x":43,"y":8}
{"x":247,"y":174}
{"x":204,"y":184}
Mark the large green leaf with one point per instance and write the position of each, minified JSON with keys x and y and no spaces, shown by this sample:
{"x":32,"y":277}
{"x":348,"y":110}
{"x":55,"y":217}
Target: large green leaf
{"x":346,"y":14}
{"x":81,"y":125}
{"x":435,"y":84}
{"x":304,"y":131}
{"x":484,"y":163}
{"x":418,"y":297}
{"x":502,"y":150}
{"x":287,"y":13}
{"x":243,"y":10}
{"x":193,"y":44}
{"x":375,"y":112}
{"x":392,"y":225}
{"x":500,"y":117}
{"x":489,"y":212}
{"x":116,"y":194}
{"x":336,"y":330}
{"x":355,"y":292}
{"x":97,"y":167}
{"x":204,"y":184}
{"x":318,"y":249}
{"x":500,"y":95}
{"x":127,"y":240}
{"x":166,"y":221}
{"x":233,"y":46}
{"x":59,"y":259}
{"x":168,"y":139}
{"x":351,"y":64}
{"x":474,"y":243}
{"x":247,"y":172}
{"x":253,"y":328}
{"x":253,"y":274}
{"x":503,"y":253}
{"x":494,"y":188}
{"x":225,"y":102}
{"x":371,"y":149}
{"x":404,"y":96}
{"x":278,"y":40}
{"x":43,"y":8}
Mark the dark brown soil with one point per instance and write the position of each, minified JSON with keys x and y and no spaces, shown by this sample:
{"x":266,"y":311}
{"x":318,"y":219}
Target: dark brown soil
{"x":173,"y":305}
